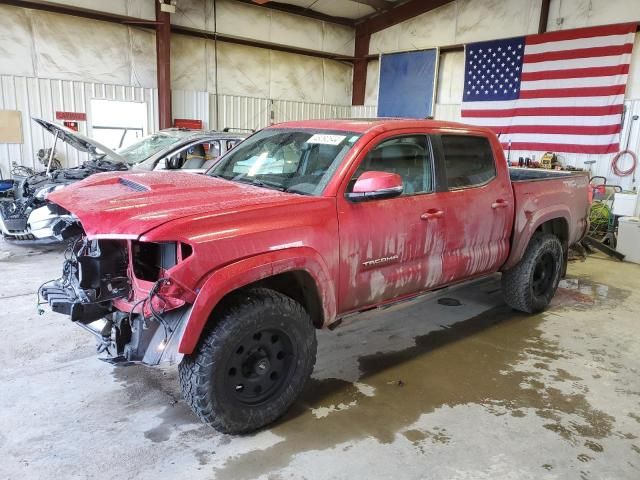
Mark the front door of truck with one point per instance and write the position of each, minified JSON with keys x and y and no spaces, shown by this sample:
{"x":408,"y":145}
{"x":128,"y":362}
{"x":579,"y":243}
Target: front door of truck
{"x":392,"y":247}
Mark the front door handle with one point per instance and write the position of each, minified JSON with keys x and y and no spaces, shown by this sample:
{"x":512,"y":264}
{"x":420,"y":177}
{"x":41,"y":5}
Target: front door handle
{"x":500,"y":203}
{"x":432,"y":213}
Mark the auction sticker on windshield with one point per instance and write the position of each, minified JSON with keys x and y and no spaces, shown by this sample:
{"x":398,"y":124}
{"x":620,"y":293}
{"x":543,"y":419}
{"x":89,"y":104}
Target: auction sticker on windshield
{"x":325,"y":139}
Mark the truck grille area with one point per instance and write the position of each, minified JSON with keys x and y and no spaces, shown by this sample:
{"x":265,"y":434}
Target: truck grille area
{"x":94,"y":273}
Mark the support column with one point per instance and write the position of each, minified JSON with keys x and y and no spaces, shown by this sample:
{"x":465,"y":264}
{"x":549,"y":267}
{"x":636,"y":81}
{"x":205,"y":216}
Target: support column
{"x":163,"y":61}
{"x":360,"y":66}
{"x":544,"y":16}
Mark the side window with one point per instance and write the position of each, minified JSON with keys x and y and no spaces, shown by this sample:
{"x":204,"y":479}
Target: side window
{"x":468,"y":160}
{"x":408,"y":156}
{"x":213,"y":150}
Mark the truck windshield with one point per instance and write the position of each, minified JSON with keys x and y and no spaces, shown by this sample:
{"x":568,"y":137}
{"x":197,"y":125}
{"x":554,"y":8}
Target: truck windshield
{"x":299,"y":161}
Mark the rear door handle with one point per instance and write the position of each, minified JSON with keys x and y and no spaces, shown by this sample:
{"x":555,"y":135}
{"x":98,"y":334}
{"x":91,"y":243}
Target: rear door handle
{"x":432,"y":213}
{"x":500,"y":203}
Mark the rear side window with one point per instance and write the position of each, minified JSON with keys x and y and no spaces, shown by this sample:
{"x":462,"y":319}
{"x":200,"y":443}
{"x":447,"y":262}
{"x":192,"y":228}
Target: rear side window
{"x":468,"y":160}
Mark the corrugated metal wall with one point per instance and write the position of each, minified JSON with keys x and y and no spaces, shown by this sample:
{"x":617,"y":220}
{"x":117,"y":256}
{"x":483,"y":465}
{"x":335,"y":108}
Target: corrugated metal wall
{"x":222,"y":111}
{"x":43,"y":97}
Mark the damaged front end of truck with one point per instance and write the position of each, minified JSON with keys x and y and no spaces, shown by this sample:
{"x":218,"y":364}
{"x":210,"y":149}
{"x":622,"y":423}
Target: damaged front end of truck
{"x":123,"y":293}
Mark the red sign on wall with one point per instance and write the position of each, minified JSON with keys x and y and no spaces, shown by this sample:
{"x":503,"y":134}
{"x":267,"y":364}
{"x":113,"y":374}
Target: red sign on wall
{"x":72,"y":116}
{"x":187,"y":123}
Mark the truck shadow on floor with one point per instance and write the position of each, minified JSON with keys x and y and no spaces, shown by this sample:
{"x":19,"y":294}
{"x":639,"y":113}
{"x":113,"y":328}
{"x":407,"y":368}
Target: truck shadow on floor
{"x":456,"y":363}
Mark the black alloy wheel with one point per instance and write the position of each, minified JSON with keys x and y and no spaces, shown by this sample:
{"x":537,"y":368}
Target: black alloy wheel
{"x":260,"y":366}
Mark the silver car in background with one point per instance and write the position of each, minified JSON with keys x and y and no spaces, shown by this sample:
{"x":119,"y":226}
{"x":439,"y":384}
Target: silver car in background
{"x":26,"y":217}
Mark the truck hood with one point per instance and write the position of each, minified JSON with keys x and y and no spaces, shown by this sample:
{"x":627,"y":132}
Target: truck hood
{"x":77,"y":140}
{"x":127,"y":205}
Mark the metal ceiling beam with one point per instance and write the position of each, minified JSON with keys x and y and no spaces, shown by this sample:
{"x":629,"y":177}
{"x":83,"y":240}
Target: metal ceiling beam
{"x":152,"y":24}
{"x":79,"y":12}
{"x":221,"y":37}
{"x":302,"y":11}
{"x":398,"y":14}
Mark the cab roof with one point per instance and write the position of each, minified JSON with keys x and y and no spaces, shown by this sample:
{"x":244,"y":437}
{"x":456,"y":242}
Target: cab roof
{"x":363,"y":125}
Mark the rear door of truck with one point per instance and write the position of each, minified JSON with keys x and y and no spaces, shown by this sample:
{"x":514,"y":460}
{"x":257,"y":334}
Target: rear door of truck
{"x":478,"y":205}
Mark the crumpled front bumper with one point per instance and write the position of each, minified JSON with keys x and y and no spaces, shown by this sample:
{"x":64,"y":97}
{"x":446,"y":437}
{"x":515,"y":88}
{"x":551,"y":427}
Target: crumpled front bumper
{"x":44,"y":225}
{"x":141,"y":341}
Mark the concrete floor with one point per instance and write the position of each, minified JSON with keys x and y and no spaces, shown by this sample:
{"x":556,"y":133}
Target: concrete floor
{"x":420,"y":391}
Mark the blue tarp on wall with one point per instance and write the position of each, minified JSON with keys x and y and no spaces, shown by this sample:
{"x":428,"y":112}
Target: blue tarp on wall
{"x":407,"y":81}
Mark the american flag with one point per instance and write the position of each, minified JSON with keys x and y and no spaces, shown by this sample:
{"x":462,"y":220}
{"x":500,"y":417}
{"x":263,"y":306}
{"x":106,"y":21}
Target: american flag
{"x":558,"y":91}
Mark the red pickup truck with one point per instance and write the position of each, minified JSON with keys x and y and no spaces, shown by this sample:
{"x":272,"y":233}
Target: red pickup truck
{"x":300,"y":225}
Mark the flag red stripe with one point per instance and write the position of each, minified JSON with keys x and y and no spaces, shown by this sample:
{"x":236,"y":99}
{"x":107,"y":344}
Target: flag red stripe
{"x":573,"y":92}
{"x":560,"y":129}
{"x":576,"y":73}
{"x":550,"y":111}
{"x":587,"y":32}
{"x":579,"y":53}
{"x":565,"y":147}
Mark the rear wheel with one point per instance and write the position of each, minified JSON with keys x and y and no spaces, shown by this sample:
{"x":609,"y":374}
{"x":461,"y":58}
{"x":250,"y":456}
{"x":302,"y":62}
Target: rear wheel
{"x":252,"y":365}
{"x":532,"y":283}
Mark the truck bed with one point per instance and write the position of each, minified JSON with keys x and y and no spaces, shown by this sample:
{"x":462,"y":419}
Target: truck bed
{"x":518,"y":174}
{"x":539,"y":194}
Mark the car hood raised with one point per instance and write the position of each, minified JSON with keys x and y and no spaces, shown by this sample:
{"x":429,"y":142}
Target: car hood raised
{"x":127,"y":205}
{"x":77,"y":140}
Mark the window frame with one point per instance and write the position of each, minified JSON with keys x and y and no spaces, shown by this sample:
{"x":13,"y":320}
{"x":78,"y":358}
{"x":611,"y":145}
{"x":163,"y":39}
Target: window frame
{"x":435,"y":181}
{"x":442,"y":161}
{"x":181,"y":149}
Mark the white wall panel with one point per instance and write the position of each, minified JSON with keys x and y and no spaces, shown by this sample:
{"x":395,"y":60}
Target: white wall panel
{"x":195,"y":14}
{"x":189,"y":63}
{"x":247,"y":21}
{"x":16,"y":45}
{"x":192,"y":105}
{"x":363,"y":111}
{"x":48,"y":45}
{"x":243,"y":71}
{"x":242,"y":112}
{"x":70,"y":46}
{"x":337,"y":82}
{"x":633,"y":82}
{"x":479,"y":20}
{"x":132,"y":8}
{"x":461,"y":21}
{"x":565,"y":14}
{"x":296,"y":30}
{"x":43,"y":97}
{"x":143,"y":57}
{"x":338,"y":38}
{"x":373,"y":79}
{"x":285,"y":111}
{"x":296,"y":77}
{"x":450,"y":77}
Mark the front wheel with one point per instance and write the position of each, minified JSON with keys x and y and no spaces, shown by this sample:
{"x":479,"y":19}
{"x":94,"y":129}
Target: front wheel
{"x":251,"y":366}
{"x":532,"y":283}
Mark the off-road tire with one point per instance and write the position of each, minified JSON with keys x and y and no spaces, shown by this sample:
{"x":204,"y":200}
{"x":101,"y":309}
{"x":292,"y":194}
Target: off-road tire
{"x":521,"y":289}
{"x":205,"y":374}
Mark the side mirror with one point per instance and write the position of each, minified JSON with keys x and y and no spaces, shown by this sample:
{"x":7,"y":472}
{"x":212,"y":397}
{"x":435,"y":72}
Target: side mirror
{"x":376,"y":186}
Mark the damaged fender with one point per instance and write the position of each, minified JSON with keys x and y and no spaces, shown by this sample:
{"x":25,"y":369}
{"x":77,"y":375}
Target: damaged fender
{"x":244,"y":272}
